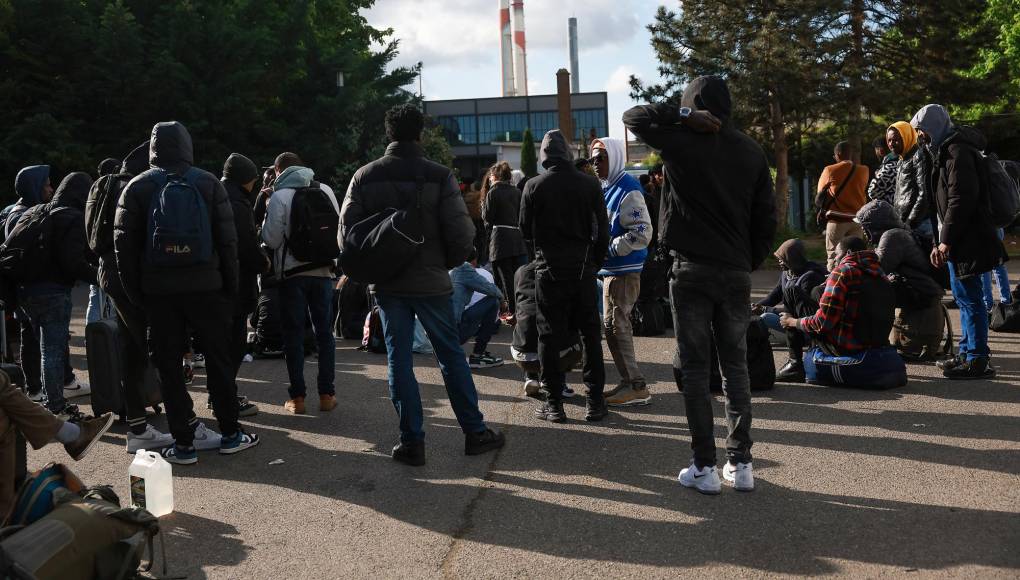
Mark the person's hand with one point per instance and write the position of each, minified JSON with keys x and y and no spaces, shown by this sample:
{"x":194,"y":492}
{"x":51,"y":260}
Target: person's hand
{"x":940,"y":255}
{"x":787,"y":321}
{"x":702,"y":122}
{"x":757,"y":309}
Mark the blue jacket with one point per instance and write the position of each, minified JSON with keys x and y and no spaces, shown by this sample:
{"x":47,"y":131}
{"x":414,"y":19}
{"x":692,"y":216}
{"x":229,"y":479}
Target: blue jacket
{"x":465,"y":283}
{"x":630,"y":226}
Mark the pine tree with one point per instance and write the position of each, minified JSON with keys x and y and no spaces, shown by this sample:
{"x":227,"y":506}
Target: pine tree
{"x":529,"y":162}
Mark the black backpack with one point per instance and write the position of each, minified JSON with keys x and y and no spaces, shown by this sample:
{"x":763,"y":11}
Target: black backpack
{"x":313,"y":228}
{"x":24,"y":257}
{"x":352,"y":305}
{"x":101,"y":211}
{"x":179,"y":231}
{"x":381,"y":246}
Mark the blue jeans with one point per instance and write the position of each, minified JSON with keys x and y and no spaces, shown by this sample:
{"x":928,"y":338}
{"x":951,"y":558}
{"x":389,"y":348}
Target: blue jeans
{"x":1001,"y":280}
{"x":49,"y":314}
{"x":300,"y":297}
{"x":480,"y":321}
{"x":99,"y":305}
{"x":771,"y":320}
{"x":436,"y":315}
{"x":969,"y":298}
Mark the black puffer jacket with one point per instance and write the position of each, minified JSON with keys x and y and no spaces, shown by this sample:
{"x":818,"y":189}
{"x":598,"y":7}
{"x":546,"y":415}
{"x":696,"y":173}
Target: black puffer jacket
{"x":71,"y":259}
{"x":170,"y":150}
{"x":390,"y":182}
{"x":501,"y":212}
{"x":912,"y":205}
{"x":252,"y":259}
{"x":898,"y":251}
{"x":563,"y":215}
{"x":974,"y":245}
{"x":720,"y":209}
{"x":797,"y":282}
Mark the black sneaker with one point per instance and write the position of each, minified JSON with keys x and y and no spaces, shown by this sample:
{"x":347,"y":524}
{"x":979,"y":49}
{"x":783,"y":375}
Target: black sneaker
{"x":410,"y":453}
{"x":245,"y":408}
{"x":552,"y":411}
{"x":484,"y":361}
{"x":478,"y":443}
{"x":71,"y":414}
{"x":595,"y":409}
{"x":792,"y":372}
{"x":974,"y":370}
{"x":949,"y":363}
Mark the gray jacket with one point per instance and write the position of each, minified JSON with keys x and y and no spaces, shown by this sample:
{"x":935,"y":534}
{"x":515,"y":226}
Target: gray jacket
{"x":898,"y":251}
{"x":913,"y":205}
{"x":390,"y":181}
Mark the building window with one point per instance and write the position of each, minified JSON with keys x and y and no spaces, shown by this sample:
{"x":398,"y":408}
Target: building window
{"x":459,"y":129}
{"x":542,"y":122}
{"x":587,"y":119}
{"x":502,"y":127}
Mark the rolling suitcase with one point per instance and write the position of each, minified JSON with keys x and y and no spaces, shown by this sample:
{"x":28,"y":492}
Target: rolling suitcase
{"x":102,"y":347}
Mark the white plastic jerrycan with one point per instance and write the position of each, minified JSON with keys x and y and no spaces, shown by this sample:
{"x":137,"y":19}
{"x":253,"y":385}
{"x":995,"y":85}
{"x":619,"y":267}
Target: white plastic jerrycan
{"x":152,"y":485}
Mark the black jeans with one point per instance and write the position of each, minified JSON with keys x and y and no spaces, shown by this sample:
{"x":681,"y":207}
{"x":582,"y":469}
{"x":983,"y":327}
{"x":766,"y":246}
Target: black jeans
{"x":132,"y":327}
{"x":504,"y":270}
{"x":566,"y":307}
{"x":710,"y":301}
{"x":238,"y":343}
{"x":209,"y":315}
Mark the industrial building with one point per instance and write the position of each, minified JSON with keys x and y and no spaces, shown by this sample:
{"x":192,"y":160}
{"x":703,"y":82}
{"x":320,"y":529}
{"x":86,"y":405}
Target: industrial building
{"x":477,"y":128}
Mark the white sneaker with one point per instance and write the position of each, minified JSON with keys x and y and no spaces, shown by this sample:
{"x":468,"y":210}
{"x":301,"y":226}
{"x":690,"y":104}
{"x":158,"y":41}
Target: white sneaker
{"x":247,"y":358}
{"x":568,"y":393}
{"x":705,"y":480}
{"x":740,"y":475}
{"x":532,"y":387}
{"x":151,"y":439}
{"x":206,"y":438}
{"x":76,"y":389}
{"x":198,"y":360}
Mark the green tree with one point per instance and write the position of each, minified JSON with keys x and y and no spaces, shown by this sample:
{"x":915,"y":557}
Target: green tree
{"x":436,"y":147}
{"x":529,"y":162}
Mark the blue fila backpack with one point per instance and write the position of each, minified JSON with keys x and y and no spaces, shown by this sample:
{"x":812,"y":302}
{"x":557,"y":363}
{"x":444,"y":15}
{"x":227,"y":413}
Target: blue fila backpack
{"x":179,"y":233}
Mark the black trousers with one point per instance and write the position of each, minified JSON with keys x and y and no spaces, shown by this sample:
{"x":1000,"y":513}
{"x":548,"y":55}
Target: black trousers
{"x":504,"y":270}
{"x":209,"y":315}
{"x":238,"y":343}
{"x":132,"y":327}
{"x":565,"y":307}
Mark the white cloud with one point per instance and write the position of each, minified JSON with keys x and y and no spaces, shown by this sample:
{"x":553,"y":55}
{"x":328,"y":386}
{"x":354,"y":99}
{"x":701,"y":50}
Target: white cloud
{"x":619,"y":79}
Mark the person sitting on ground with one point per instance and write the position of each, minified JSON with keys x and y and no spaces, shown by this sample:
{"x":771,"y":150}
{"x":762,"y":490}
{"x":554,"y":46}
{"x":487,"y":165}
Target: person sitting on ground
{"x":40,"y":427}
{"x":912,"y":202}
{"x":476,"y":305}
{"x":799,"y":276}
{"x":851,"y":328}
{"x":899,"y":255}
{"x":883,"y":186}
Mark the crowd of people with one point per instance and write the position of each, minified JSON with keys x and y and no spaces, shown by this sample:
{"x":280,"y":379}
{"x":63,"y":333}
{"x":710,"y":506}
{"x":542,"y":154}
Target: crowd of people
{"x":564,"y":257}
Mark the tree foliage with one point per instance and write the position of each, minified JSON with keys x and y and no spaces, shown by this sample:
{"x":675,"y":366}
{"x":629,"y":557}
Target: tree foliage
{"x":801,"y":70}
{"x":86,"y":79}
{"x":529,"y":162}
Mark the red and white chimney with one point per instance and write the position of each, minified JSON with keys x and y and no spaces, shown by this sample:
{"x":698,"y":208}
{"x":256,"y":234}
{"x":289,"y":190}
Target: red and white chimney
{"x":520,"y":52}
{"x":506,"y":48}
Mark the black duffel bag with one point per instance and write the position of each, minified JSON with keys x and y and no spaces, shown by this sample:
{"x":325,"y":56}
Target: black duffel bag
{"x":381,"y":246}
{"x":1006,"y":317}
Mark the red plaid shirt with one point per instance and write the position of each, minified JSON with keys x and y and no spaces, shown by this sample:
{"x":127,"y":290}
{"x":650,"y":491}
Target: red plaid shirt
{"x":840,"y":303}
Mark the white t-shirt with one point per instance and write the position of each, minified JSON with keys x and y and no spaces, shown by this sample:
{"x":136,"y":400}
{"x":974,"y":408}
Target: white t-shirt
{"x":478,"y":296}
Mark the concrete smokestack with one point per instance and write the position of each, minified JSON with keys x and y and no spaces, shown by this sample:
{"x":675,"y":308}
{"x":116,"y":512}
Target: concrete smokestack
{"x":566,"y":116}
{"x":520,"y":50}
{"x":506,"y":42}
{"x":575,"y":78}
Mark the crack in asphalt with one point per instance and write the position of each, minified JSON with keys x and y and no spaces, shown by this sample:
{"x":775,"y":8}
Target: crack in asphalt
{"x":468,"y":516}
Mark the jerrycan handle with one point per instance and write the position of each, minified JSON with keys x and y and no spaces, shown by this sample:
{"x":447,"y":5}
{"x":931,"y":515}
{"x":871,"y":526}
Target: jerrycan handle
{"x":147,"y":457}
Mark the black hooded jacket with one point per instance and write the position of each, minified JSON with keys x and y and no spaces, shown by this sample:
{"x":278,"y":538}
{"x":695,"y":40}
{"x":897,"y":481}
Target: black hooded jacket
{"x":898,"y":251}
{"x":70,"y":260}
{"x":170,"y":150}
{"x":251,"y":257}
{"x":563,"y":215}
{"x":974,"y":245}
{"x":719,"y":208}
{"x":797,"y":282}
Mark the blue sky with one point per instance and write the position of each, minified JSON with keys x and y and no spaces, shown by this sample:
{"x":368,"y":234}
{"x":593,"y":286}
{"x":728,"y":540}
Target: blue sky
{"x":458,"y":42}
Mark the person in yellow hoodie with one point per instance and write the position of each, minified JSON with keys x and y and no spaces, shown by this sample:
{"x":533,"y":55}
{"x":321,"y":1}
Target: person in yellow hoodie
{"x":910,"y":199}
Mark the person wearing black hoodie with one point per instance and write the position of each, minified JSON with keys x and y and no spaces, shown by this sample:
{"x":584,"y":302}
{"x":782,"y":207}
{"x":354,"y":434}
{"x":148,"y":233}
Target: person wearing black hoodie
{"x":100,"y":212}
{"x":199,"y":296}
{"x":239,"y":177}
{"x":798,"y":279}
{"x":718,"y":221}
{"x":45,"y":295}
{"x":566,"y":228}
{"x":967,"y":243}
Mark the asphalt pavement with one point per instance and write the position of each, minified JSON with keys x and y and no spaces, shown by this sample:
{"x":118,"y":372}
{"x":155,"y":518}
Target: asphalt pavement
{"x":917,"y":481}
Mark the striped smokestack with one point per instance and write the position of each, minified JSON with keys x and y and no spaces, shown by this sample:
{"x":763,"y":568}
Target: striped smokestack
{"x":506,"y":48}
{"x":520,"y":52}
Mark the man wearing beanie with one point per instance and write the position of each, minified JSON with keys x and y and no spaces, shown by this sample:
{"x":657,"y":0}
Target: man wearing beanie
{"x":239,"y":177}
